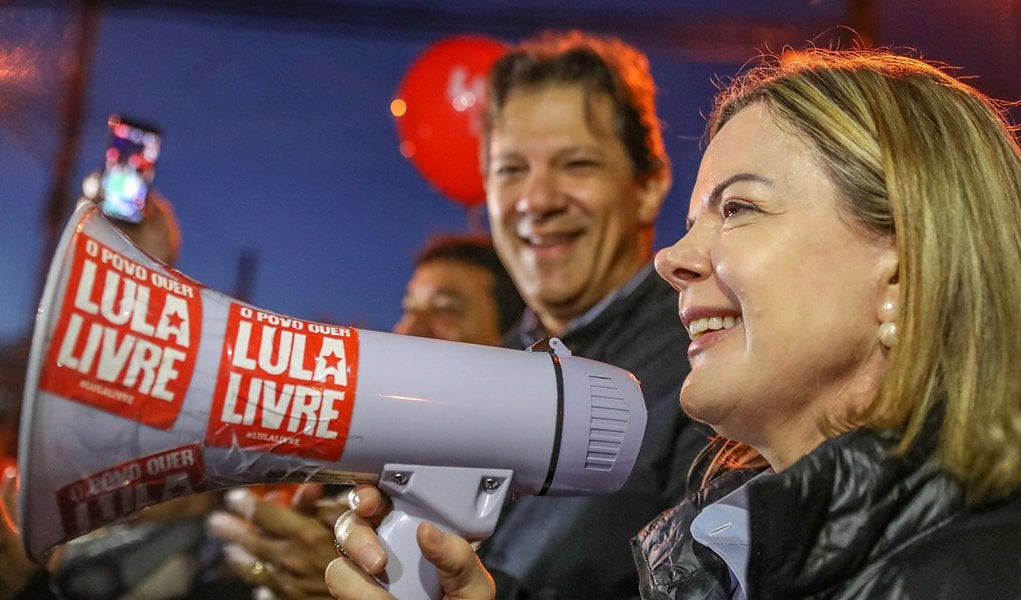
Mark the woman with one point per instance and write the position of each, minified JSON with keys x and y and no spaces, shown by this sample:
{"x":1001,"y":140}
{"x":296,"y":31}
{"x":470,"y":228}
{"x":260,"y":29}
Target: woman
{"x":851,"y":282}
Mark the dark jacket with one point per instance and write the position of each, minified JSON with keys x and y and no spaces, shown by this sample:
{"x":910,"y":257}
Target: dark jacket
{"x":579,"y":547}
{"x":848,"y":520}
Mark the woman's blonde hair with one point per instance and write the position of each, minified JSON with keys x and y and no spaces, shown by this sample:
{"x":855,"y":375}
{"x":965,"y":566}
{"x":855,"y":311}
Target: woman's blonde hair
{"x":920,"y":155}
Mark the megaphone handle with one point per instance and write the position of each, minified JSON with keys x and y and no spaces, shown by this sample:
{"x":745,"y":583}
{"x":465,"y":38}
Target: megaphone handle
{"x":463,"y":501}
{"x":408,"y":574}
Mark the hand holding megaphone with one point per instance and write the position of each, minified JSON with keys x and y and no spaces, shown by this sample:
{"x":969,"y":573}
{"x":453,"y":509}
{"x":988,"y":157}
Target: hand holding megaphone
{"x":143,"y":385}
{"x":459,"y":572}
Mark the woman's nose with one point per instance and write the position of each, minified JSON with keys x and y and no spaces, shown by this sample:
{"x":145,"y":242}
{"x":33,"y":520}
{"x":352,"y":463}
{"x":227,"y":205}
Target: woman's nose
{"x":685,"y":262}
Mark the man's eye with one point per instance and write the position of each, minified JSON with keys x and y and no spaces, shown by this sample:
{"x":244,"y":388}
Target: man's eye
{"x":447,"y":309}
{"x":446,"y":305}
{"x":508,"y":170}
{"x":581,"y":163}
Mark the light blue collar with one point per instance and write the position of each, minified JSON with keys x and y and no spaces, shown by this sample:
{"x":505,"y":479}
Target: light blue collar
{"x":531,"y":328}
{"x":724,"y":528}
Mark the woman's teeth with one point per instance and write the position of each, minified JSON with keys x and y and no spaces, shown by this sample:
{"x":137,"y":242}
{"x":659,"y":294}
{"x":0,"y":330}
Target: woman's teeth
{"x":699,"y":326}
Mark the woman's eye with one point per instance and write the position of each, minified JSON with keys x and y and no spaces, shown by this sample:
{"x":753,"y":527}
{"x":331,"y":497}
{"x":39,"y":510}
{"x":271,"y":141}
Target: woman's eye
{"x":733,"y":208}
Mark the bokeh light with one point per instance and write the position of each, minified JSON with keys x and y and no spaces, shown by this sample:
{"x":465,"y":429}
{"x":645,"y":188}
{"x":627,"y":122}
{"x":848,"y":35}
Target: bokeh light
{"x":398,"y":107}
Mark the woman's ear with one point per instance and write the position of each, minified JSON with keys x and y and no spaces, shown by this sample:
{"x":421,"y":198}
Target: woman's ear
{"x":890,"y":294}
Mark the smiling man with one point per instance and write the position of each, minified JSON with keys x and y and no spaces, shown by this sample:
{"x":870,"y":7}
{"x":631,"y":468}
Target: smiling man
{"x":575,"y":174}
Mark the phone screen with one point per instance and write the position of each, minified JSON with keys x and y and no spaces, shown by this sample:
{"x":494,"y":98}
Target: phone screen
{"x":129,"y":168}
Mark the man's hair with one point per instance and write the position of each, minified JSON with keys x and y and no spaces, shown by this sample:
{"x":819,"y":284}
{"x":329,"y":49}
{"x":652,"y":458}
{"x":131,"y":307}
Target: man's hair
{"x":595,"y":64}
{"x":926,"y":160}
{"x":478,"y":250}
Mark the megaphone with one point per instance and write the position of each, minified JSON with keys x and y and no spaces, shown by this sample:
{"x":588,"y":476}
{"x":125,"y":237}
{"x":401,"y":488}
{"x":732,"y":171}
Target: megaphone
{"x":143,"y":385}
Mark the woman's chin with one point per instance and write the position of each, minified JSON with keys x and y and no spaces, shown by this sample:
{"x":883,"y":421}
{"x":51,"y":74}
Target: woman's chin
{"x":718,"y":411}
{"x":699,"y":407}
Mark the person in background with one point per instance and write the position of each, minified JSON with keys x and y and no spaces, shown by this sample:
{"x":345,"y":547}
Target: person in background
{"x":576,"y":172}
{"x":849,"y":281}
{"x":459,"y":291}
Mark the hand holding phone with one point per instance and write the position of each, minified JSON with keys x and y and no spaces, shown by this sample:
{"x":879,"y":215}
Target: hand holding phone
{"x":129,"y":168}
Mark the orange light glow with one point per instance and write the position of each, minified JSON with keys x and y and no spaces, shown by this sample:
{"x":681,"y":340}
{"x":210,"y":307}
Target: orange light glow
{"x":16,"y":66}
{"x":398,"y":107}
{"x":10,"y":485}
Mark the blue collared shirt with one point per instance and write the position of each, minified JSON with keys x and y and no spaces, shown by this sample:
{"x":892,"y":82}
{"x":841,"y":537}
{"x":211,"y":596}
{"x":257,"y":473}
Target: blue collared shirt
{"x":724,"y":528}
{"x":531,"y":328}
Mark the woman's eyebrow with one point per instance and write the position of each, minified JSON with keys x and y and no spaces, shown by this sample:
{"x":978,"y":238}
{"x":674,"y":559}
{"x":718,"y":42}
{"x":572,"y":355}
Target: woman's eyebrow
{"x":712,"y":198}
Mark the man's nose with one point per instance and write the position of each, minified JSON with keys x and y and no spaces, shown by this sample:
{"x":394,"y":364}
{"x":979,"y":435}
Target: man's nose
{"x":414,"y":323}
{"x":540,"y":193}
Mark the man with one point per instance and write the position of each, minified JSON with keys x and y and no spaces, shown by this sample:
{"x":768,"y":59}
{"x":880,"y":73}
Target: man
{"x":459,"y":291}
{"x":575,"y":174}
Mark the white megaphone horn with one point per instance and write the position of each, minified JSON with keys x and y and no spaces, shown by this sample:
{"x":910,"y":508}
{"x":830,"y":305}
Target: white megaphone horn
{"x":143,"y":386}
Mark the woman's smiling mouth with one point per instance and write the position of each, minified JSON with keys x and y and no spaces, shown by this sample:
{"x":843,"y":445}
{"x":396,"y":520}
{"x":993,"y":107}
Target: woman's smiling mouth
{"x":699,"y":327}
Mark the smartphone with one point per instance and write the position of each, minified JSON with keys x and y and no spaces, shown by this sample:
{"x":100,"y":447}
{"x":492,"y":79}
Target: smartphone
{"x":128,"y":169}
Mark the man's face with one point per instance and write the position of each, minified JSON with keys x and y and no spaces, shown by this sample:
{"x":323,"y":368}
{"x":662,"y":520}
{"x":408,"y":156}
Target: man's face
{"x":565,"y":207}
{"x":450,"y":300}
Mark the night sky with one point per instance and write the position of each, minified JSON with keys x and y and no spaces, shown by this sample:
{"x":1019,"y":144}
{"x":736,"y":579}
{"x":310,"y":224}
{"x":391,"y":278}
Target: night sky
{"x":278,"y":140}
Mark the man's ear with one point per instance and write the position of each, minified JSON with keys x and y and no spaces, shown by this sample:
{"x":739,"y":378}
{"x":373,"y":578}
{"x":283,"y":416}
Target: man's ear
{"x":651,"y":193}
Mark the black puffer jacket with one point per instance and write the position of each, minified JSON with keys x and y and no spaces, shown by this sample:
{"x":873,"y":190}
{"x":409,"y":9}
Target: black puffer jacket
{"x":846,"y":521}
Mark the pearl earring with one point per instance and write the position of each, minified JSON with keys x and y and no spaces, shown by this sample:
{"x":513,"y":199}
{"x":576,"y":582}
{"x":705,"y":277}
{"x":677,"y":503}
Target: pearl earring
{"x":888,"y":310}
{"x":888,"y":334}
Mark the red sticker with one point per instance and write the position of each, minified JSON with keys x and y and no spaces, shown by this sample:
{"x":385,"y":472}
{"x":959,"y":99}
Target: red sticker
{"x":115,"y":492}
{"x":285,"y":386}
{"x":127,"y":336}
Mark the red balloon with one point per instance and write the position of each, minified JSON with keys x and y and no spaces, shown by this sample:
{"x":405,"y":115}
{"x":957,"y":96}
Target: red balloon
{"x":441,"y":122}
